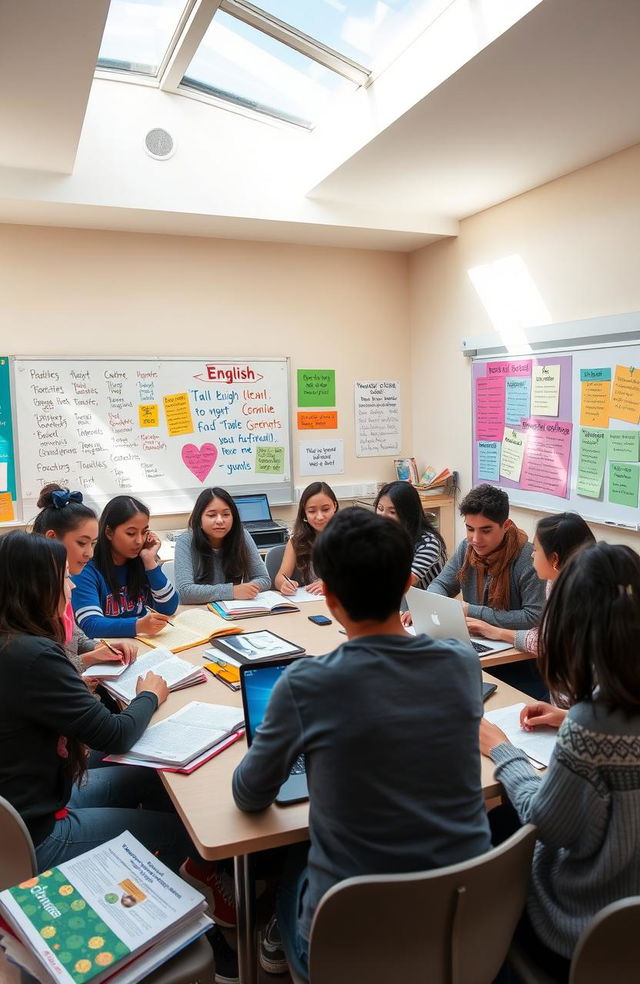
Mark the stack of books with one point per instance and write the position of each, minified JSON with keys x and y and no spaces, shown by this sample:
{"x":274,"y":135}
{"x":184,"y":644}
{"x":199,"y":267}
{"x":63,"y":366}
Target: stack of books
{"x":436,"y":483}
{"x":115,"y":912}
{"x":264,"y":603}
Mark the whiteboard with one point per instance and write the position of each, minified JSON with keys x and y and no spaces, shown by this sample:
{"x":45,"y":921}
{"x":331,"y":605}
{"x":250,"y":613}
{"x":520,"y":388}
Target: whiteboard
{"x":158,"y":429}
{"x":597,"y":507}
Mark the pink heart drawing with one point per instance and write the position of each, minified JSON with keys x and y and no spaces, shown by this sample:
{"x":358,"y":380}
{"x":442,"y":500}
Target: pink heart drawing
{"x":200,"y":461}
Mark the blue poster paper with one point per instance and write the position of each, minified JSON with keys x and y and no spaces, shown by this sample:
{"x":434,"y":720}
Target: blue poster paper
{"x":518,"y":400}
{"x":489,"y":460}
{"x":6,"y":429}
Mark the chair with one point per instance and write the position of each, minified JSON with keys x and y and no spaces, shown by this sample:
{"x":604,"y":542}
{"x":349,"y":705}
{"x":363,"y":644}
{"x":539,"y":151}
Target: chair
{"x":608,"y":949}
{"x":193,"y":965}
{"x":169,"y":571}
{"x":452,"y":925}
{"x":273,"y":560}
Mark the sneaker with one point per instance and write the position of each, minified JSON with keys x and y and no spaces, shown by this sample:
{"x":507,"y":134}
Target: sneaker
{"x":270,"y":952}
{"x":217,"y":886}
{"x":225,"y":958}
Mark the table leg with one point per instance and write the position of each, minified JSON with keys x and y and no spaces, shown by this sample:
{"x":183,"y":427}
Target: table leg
{"x":246,"y":918}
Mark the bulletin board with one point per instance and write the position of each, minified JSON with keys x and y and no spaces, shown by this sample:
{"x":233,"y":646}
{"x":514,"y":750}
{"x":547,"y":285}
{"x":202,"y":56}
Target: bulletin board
{"x":158,"y":429}
{"x":560,"y":431}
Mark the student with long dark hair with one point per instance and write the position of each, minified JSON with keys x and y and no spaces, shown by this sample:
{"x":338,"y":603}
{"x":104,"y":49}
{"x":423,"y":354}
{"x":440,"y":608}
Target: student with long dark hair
{"x":217,"y":559}
{"x":48,"y":717}
{"x":123,"y":591}
{"x":65,"y":517}
{"x":586,"y":805}
{"x":318,"y":504}
{"x":554,"y":541}
{"x":401,"y":502}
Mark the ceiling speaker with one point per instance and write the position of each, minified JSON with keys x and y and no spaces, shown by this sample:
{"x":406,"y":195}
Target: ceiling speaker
{"x":159,"y":144}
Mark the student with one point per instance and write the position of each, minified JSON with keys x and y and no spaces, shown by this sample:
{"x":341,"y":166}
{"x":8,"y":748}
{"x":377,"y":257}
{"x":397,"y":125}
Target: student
{"x":64,"y":516}
{"x":124,"y":579}
{"x":216,"y":559}
{"x":587,"y":803}
{"x":47,"y":716}
{"x":555,"y":539}
{"x":392,"y":788}
{"x":400,"y":501}
{"x":317,"y":505}
{"x":492,"y":567}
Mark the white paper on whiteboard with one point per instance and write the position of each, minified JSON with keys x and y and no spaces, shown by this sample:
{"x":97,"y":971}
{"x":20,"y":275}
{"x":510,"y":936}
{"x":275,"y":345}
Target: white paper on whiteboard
{"x":4,"y":476}
{"x":322,"y":457}
{"x":377,"y":412}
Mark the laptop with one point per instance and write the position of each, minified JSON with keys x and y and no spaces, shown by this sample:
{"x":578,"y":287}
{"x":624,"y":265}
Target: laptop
{"x":257,"y":681}
{"x":442,"y":618}
{"x":255,"y":512}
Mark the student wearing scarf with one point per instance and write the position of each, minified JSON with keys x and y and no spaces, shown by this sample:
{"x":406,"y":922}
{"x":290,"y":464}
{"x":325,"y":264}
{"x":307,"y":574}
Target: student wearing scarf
{"x":492,"y":567}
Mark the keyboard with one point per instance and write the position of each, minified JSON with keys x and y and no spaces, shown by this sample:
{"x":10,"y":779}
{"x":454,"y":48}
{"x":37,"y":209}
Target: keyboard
{"x":298,"y":768}
{"x":261,"y":524}
{"x":480,"y":649}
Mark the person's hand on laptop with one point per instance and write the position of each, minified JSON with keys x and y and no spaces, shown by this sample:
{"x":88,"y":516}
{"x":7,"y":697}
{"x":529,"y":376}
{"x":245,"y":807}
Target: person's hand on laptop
{"x":406,"y":619}
{"x":476,"y":626}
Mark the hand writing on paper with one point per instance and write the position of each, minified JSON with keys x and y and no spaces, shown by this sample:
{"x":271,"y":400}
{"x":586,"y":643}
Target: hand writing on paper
{"x":245,"y":592}
{"x":151,"y":623}
{"x":540,"y":714}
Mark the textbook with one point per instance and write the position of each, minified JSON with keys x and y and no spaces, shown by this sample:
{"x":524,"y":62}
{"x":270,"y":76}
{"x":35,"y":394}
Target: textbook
{"x":185,"y":735}
{"x":114,"y":912}
{"x":192,"y":627}
{"x":264,"y":603}
{"x":257,"y":645}
{"x":176,"y":672}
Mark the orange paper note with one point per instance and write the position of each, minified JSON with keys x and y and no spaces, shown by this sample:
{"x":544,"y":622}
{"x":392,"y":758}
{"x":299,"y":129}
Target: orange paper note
{"x":6,"y":508}
{"x":625,"y":396}
{"x":594,"y":406}
{"x":318,"y":420}
{"x":178,"y":414}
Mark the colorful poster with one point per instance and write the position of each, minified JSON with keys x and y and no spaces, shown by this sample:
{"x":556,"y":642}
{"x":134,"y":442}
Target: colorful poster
{"x":591,"y":462}
{"x":270,"y":460}
{"x":512,"y":455}
{"x":623,"y":484}
{"x":178,"y":414}
{"x":378,"y":422}
{"x":595,"y":387}
{"x":624,"y":445}
{"x":488,"y":461}
{"x":518,"y":399}
{"x":316,"y":387}
{"x":7,"y":463}
{"x":545,"y":467}
{"x":625,"y":396}
{"x":318,"y":420}
{"x":490,"y":400}
{"x":545,"y":391}
{"x":516,"y":367}
{"x":321,"y":458}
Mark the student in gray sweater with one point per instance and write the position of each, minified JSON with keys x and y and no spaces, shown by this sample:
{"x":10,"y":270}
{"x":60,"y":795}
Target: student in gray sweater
{"x":587,"y":804}
{"x":216,"y":559}
{"x":387,"y":723}
{"x":492,"y":568}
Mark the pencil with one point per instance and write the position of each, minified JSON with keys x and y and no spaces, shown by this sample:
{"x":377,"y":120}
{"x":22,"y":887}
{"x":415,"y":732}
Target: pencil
{"x":289,"y":580}
{"x":160,"y":615}
{"x":109,"y":646}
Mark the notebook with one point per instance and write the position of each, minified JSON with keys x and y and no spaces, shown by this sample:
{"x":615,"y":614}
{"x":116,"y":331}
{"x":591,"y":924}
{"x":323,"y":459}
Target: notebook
{"x":255,"y":512}
{"x":264,"y":603}
{"x":443,"y":618}
{"x":192,"y":627}
{"x":257,"y":681}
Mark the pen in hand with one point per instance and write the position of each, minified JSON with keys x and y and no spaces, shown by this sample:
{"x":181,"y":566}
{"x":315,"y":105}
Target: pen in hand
{"x":151,"y":611}
{"x":109,"y":646}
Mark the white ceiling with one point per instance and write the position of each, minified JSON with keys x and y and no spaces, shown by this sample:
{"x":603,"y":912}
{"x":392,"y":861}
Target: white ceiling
{"x":556,"y":91}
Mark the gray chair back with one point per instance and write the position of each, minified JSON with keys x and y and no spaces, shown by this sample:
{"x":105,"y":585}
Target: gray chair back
{"x":273,"y":561}
{"x":609,"y":948}
{"x":452,"y":925}
{"x":17,"y":856}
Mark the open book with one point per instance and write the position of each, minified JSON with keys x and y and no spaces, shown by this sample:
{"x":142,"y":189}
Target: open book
{"x":192,"y":627}
{"x":185,"y":735}
{"x":264,"y":603}
{"x":108,"y":913}
{"x":177,"y":673}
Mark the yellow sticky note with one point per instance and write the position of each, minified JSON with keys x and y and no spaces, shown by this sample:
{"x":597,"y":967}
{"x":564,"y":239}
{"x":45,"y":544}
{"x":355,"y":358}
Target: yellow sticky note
{"x":625,"y":395}
{"x":6,"y":507}
{"x":148,"y":415}
{"x":178,"y":414}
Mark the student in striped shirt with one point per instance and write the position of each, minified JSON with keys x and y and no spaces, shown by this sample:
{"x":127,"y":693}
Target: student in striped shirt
{"x":123,"y":591}
{"x":400,"y":501}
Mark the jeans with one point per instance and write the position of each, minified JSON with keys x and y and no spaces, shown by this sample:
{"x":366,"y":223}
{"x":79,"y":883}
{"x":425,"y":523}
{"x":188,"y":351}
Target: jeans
{"x":291,"y":888}
{"x":105,"y":805}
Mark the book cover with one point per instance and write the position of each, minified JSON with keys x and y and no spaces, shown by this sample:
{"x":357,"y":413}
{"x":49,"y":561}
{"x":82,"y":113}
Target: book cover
{"x":252,"y":646}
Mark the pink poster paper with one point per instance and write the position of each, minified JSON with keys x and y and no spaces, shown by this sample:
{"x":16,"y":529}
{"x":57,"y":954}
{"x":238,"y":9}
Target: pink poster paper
{"x":545,"y":467}
{"x":516,"y":367}
{"x":490,"y":399}
{"x":201,"y":460}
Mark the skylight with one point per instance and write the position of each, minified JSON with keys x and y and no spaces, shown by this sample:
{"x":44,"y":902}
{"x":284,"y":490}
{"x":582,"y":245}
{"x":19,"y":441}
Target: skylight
{"x":138,"y":33}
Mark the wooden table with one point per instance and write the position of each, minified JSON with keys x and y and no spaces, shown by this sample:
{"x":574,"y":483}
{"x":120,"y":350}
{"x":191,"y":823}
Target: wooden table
{"x":204,"y":800}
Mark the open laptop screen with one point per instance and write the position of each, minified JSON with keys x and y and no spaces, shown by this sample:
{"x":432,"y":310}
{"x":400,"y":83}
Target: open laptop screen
{"x":257,"y":685}
{"x":252,"y":508}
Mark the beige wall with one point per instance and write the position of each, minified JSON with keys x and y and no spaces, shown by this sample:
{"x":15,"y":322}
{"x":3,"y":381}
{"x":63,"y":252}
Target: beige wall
{"x":578,"y":237}
{"x":80,"y":292}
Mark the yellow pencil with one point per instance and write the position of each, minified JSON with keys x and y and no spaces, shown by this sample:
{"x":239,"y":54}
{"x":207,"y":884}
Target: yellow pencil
{"x":160,"y":615}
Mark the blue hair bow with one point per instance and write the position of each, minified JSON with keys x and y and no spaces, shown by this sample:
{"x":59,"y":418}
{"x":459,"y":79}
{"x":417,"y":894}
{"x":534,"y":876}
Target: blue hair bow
{"x":62,"y":497}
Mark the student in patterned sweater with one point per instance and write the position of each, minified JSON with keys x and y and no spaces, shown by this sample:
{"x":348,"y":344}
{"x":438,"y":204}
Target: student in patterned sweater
{"x":400,"y":501}
{"x":587,"y":804}
{"x":123,"y":591}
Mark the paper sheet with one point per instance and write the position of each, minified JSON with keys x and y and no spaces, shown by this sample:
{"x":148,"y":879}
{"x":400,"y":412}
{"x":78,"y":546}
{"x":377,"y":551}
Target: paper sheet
{"x":538,"y":745}
{"x":591,"y":462}
{"x":545,"y":392}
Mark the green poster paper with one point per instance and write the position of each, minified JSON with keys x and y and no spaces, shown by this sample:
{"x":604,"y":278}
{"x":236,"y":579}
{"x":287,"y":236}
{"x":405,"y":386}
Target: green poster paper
{"x":7,"y":484}
{"x":269,"y":460}
{"x":316,"y":387}
{"x":624,"y":445}
{"x":591,"y":461}
{"x":623,"y":484}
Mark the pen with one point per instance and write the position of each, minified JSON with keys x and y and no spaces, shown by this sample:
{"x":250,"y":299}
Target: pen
{"x":109,"y":646}
{"x":160,"y":615}
{"x":289,"y":580}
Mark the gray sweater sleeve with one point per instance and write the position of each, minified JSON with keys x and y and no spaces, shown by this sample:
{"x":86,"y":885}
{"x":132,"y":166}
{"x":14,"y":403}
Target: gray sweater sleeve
{"x":201,"y":594}
{"x":446,"y":583}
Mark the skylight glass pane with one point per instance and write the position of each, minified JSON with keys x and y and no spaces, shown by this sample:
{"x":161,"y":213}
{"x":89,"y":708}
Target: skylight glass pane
{"x":137,"y":34}
{"x":236,"y":62}
{"x":360,"y":29}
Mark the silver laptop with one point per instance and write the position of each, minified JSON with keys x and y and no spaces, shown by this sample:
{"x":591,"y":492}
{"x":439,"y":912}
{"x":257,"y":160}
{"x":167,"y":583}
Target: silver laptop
{"x":255,"y":512}
{"x":442,"y":618}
